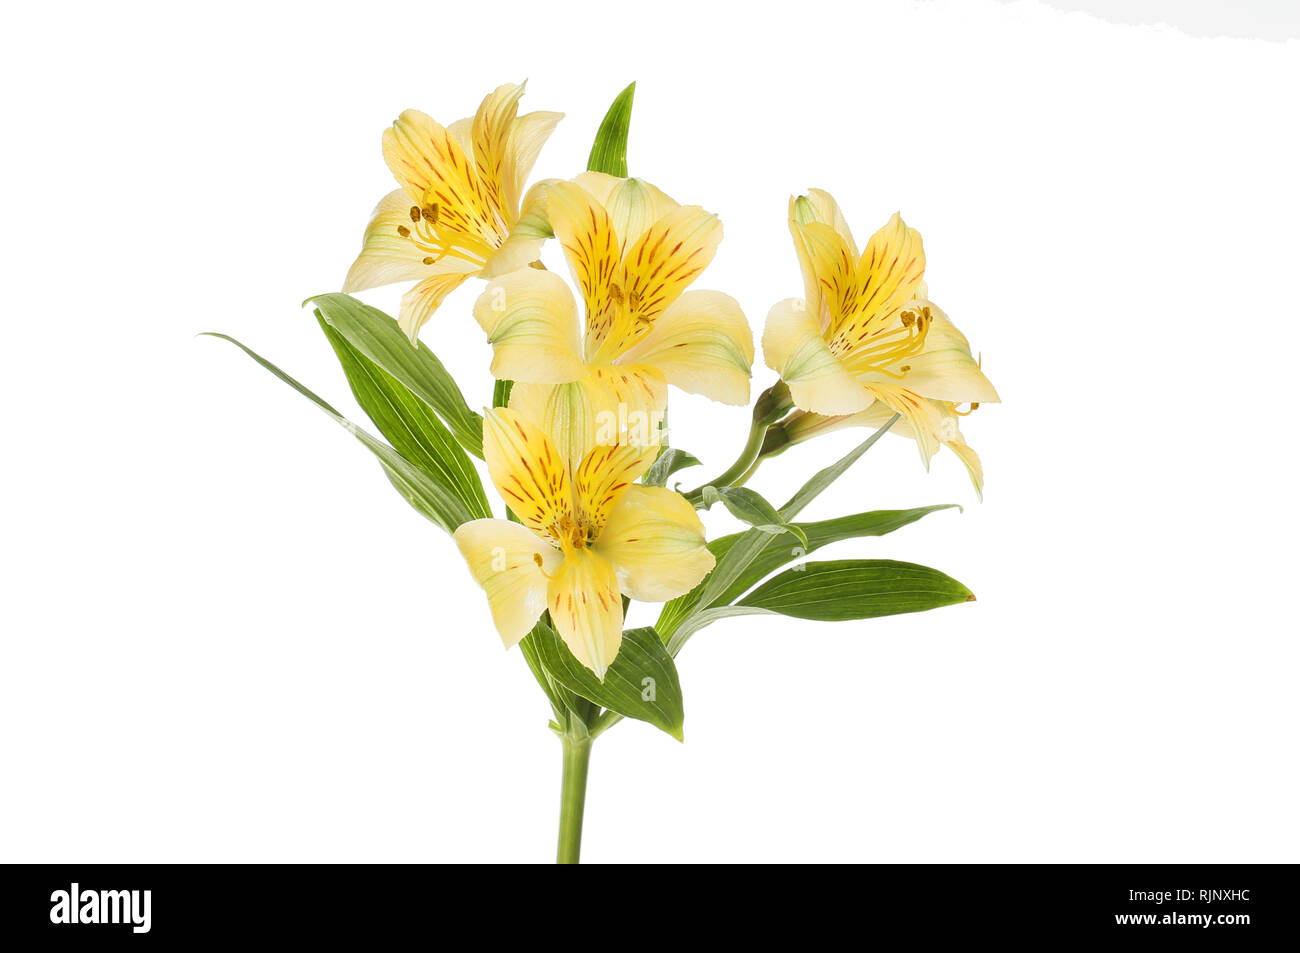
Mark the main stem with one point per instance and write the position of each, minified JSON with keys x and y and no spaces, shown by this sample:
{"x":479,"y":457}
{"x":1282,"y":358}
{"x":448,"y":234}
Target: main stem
{"x":573,"y":796}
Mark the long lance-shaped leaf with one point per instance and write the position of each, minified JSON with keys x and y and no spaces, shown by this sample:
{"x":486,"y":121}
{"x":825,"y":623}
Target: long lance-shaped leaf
{"x":641,"y":683}
{"x":429,"y":498}
{"x":410,"y":425}
{"x":377,"y":337}
{"x":787,"y":548}
{"x":751,"y":543}
{"x":843,"y":589}
{"x":609,"y":151}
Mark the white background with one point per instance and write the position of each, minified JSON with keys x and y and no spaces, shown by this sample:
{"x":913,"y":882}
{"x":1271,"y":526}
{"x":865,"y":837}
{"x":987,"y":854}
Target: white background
{"x":225,"y":637}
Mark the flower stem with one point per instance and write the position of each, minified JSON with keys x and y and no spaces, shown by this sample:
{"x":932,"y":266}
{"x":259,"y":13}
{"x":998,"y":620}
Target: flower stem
{"x":573,"y":796}
{"x":770,"y":407}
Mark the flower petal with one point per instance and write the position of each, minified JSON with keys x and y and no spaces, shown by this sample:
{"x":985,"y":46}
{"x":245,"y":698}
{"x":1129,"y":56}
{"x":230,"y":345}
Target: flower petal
{"x":655,"y":541}
{"x":526,"y":140}
{"x":793,"y":347}
{"x":945,"y":370}
{"x":386,"y":256}
{"x":527,"y":470}
{"x":656,"y":269}
{"x":702,"y":344}
{"x":634,"y":205}
{"x":429,"y":162}
{"x":888,"y":275}
{"x":532,"y":325}
{"x":511,"y":563}
{"x":587,"y":235}
{"x":421,"y":301}
{"x":587,"y":610}
{"x":610,"y":405}
{"x":604,"y":475}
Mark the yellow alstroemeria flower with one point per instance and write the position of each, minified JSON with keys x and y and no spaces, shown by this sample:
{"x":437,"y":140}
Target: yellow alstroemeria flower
{"x":864,"y":340}
{"x":633,"y":252}
{"x":585,"y":537}
{"x":458,"y":212}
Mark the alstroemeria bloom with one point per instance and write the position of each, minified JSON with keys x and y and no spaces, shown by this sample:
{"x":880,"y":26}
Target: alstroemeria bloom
{"x":584,"y":538}
{"x":633,"y":251}
{"x":865,"y":339}
{"x":458,"y":212}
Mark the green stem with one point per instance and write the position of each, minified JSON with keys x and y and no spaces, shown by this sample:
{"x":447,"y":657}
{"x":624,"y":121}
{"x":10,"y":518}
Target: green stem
{"x":771,"y":406}
{"x":573,"y":796}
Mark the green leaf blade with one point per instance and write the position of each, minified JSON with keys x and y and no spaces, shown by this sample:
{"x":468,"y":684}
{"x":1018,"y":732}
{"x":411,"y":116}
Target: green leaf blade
{"x":429,"y":498}
{"x":641,"y":683}
{"x":609,"y":151}
{"x":377,"y":337}
{"x":409,"y":424}
{"x":847,"y":589}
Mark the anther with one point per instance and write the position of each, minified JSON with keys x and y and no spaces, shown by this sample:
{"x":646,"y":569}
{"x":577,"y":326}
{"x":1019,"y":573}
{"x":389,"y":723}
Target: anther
{"x":403,"y":231}
{"x":415,"y":213}
{"x":430,"y":213}
{"x":428,"y":261}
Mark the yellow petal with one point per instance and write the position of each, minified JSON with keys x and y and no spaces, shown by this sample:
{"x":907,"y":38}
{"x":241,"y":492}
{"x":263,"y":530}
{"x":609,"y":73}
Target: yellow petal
{"x":528,"y":471}
{"x":532,"y":325}
{"x":634,"y":205}
{"x":945,"y":370}
{"x":655,"y":542}
{"x":607,"y":406}
{"x":793,"y":347}
{"x":838,"y":250}
{"x":656,"y":269}
{"x":944,"y":419}
{"x":702,"y":344}
{"x":428,"y":161}
{"x":602,"y":478}
{"x":386,"y":256}
{"x":888,"y":275}
{"x":924,"y":419}
{"x":505,"y":146}
{"x":511,"y":563}
{"x":587,"y":235}
{"x":587,"y":610}
{"x":421,"y":301}
{"x":490,"y":132}
{"x":526,"y":140}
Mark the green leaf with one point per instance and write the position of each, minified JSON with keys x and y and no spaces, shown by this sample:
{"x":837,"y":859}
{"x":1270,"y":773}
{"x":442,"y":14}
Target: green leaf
{"x":842,"y":589}
{"x":501,"y":393}
{"x":609,"y":151}
{"x":666,"y":464}
{"x":750,"y":507}
{"x":786,"y":548}
{"x":743,"y":552}
{"x":410,"y":425}
{"x":642,"y":683}
{"x":429,"y":497}
{"x":377,"y":337}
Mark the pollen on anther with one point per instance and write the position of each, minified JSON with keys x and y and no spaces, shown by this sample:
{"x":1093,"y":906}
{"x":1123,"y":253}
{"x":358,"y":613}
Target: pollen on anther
{"x":403,"y":231}
{"x":415,"y":213}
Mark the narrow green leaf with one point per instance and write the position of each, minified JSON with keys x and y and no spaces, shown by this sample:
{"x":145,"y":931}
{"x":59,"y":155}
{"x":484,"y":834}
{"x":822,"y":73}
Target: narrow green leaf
{"x":784,"y":549}
{"x":751,"y":543}
{"x":609,"y":151}
{"x":377,"y":337}
{"x":749,"y":506}
{"x":666,"y":464}
{"x":429,"y":498}
{"x":642,"y":683}
{"x":410,"y":425}
{"x":842,"y":589}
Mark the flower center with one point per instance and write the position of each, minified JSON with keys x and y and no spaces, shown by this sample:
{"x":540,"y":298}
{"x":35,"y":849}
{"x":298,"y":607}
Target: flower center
{"x":880,"y":349}
{"x":439,"y":241}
